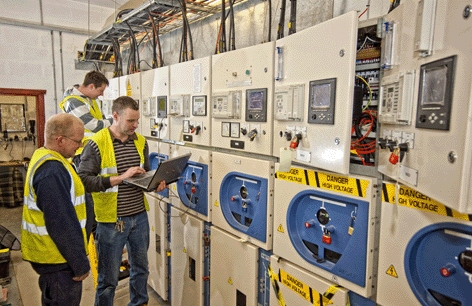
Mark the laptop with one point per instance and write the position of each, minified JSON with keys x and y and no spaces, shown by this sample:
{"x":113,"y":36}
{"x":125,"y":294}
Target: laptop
{"x":169,"y":171}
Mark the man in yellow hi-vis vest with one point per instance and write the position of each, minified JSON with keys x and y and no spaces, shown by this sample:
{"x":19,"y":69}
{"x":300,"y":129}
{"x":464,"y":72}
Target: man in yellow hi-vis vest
{"x":111,"y":156}
{"x":82,"y":102}
{"x":53,"y":235}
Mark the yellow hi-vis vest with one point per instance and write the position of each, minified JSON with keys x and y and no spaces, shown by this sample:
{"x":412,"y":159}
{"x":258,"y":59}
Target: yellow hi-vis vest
{"x":106,"y":203}
{"x":95,"y":111}
{"x":36,"y":244}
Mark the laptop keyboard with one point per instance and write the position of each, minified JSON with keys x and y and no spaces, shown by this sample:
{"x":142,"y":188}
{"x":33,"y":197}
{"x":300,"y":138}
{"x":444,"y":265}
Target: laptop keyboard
{"x":144,"y":180}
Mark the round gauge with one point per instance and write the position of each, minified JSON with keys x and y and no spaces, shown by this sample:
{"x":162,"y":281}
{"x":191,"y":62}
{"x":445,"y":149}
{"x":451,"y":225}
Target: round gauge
{"x":323,"y":216}
{"x":243,"y":192}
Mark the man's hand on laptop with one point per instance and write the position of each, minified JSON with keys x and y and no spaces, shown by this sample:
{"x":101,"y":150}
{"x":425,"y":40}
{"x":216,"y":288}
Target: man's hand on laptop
{"x":162,"y":186}
{"x":132,"y":172}
{"x":115,"y":180}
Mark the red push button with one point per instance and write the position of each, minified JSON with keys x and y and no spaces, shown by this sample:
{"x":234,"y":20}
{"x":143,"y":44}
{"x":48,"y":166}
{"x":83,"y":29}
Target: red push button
{"x":309,"y":223}
{"x":447,"y":270}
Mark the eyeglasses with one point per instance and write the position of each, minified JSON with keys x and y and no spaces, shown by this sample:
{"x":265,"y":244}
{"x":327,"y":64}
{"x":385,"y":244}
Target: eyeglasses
{"x":78,"y":142}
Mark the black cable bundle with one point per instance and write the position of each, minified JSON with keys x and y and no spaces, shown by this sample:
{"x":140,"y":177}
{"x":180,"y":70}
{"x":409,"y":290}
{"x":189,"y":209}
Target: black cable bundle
{"x":186,"y":52}
{"x":117,"y":54}
{"x":221,"y":39}
{"x":292,"y":26}
{"x":280,"y":27}
{"x":156,"y":44}
{"x":232,"y":29}
{"x":133,"y":60}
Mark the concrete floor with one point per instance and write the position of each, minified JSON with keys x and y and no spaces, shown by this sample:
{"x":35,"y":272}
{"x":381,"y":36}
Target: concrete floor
{"x":23,"y":289}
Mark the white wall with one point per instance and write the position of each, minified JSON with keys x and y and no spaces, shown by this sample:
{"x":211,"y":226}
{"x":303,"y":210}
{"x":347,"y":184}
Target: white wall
{"x":31,"y":52}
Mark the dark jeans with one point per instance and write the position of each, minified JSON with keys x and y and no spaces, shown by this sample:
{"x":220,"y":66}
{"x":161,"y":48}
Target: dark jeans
{"x":59,"y":289}
{"x":110,"y":244}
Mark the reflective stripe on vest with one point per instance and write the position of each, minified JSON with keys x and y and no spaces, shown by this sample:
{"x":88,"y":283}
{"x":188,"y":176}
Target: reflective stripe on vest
{"x":95,"y":111}
{"x":37,"y":245}
{"x":105,"y":203}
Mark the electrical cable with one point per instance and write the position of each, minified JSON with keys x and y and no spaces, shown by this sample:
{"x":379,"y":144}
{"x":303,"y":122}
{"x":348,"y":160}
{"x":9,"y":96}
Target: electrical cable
{"x":186,"y":43}
{"x":232,"y":29}
{"x":160,"y":60}
{"x":365,"y":41}
{"x":218,"y":47}
{"x":280,"y":27}
{"x":223,"y":29}
{"x":190,"y":39}
{"x":133,"y":63}
{"x":361,"y":146}
{"x":117,"y":54}
{"x":366,"y":9}
{"x":292,"y":25}
{"x":370,"y":92}
{"x":154,"y":40}
{"x":122,"y":12}
{"x":183,"y":41}
{"x":270,"y":20}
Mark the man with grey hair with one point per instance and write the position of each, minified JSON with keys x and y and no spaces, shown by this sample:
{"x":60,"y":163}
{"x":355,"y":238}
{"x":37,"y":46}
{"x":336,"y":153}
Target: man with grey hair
{"x":53,"y":234}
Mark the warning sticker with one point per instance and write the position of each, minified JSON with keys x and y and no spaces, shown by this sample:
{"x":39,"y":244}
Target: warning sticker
{"x":337,"y":183}
{"x":412,"y":198}
{"x":129,"y":91}
{"x":295,"y":285}
{"x":280,"y":229}
{"x":391,"y":271}
{"x":217,"y":204}
{"x":296,"y":175}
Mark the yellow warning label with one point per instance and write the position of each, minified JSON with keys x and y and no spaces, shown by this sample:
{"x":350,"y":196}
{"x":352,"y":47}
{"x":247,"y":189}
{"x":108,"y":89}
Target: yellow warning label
{"x":128,"y":89}
{"x":333,"y":182}
{"x":280,"y":229}
{"x":391,"y":271}
{"x":230,"y":281}
{"x":412,"y":198}
{"x":296,"y":175}
{"x":295,"y":285}
{"x":185,"y":250}
{"x":217,"y":204}
{"x":339,"y":183}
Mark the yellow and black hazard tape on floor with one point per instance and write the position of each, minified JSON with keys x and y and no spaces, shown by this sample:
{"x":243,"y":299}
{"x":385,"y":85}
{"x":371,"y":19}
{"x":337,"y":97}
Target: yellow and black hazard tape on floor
{"x":333,"y":182}
{"x":411,"y":198}
{"x":303,"y":290}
